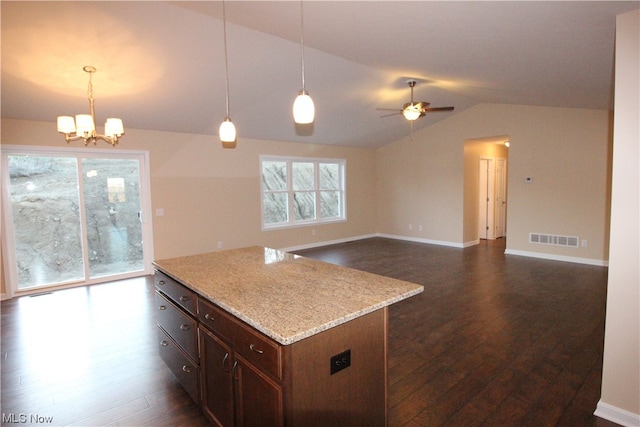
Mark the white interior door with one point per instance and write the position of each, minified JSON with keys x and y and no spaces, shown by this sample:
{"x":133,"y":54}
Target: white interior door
{"x":486,"y":205}
{"x":501,"y":198}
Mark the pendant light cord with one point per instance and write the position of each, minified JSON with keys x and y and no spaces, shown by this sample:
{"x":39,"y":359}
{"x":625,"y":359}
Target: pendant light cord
{"x":226,"y":65}
{"x":302,"y":41}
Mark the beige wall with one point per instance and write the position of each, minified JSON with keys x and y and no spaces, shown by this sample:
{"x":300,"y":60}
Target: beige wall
{"x":212,"y":195}
{"x":566,"y":152}
{"x":620,"y":400}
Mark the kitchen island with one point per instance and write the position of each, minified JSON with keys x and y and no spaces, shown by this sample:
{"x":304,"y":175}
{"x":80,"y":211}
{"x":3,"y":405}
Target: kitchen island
{"x":263,"y":337}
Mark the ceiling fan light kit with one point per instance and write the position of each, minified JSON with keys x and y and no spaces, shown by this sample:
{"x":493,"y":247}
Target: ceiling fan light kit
{"x":411,"y":111}
{"x":84,"y":125}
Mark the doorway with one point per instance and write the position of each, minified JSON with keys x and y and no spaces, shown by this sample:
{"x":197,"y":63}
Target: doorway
{"x":485,"y":189}
{"x":74,"y":217}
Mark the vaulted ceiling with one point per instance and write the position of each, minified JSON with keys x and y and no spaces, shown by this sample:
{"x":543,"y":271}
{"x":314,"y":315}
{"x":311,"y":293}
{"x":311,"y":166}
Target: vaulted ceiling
{"x":161,"y":64}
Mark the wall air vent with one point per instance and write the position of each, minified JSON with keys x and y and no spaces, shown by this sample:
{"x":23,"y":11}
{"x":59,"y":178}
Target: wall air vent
{"x":552,"y":239}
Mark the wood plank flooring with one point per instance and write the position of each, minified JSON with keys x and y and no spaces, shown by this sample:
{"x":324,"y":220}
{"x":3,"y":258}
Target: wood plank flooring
{"x":494,"y":340}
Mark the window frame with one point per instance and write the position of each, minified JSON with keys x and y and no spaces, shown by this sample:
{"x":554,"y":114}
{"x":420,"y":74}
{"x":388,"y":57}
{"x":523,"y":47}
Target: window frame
{"x":291,"y":221}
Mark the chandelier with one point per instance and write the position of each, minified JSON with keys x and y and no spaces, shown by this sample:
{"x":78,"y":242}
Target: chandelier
{"x":84,"y":125}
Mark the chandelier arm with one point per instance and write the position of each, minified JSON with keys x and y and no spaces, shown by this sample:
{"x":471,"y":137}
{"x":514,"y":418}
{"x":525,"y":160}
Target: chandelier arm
{"x":91,"y":100}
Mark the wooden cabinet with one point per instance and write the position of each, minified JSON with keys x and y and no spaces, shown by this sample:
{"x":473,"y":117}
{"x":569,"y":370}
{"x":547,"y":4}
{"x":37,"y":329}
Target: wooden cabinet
{"x":217,"y":379}
{"x":241,"y":372}
{"x":258,"y":398}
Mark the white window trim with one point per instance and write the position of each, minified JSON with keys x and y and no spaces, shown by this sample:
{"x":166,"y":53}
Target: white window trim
{"x":292,"y":223}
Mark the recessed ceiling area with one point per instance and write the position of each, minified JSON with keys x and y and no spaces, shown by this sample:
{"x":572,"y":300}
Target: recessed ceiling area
{"x":161,"y":64}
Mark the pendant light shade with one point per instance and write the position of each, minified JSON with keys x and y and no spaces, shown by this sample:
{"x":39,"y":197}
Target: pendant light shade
{"x":303,"y":108}
{"x":227,"y":131}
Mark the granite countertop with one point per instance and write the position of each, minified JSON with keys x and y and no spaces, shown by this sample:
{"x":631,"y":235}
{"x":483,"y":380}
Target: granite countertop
{"x":285,"y":296}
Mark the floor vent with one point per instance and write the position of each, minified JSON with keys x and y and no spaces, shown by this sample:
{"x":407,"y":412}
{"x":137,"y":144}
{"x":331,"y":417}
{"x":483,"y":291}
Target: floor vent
{"x":552,"y":239}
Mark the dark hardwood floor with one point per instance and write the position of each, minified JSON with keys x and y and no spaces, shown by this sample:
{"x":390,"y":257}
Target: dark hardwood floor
{"x":494,"y":340}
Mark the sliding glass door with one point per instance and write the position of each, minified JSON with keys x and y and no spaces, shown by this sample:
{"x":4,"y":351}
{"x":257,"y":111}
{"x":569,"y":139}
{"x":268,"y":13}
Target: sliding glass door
{"x":113,"y":214}
{"x":75,"y":216}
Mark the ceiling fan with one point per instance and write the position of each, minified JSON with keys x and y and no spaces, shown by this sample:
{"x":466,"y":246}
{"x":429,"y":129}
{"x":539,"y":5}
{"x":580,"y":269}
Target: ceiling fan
{"x":414,"y":110}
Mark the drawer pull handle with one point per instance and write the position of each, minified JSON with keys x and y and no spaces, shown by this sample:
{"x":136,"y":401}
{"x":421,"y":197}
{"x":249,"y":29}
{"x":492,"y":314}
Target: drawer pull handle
{"x":162,"y":307}
{"x":164,"y":343}
{"x":184,"y":327}
{"x":161,"y":282}
{"x":184,"y":298}
{"x":186,"y":369}
{"x":253,"y":347}
{"x":209,"y":317}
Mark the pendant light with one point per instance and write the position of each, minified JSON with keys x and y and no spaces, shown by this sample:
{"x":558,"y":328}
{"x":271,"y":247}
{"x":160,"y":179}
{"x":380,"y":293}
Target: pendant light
{"x":227,"y":130}
{"x":303,"y":108}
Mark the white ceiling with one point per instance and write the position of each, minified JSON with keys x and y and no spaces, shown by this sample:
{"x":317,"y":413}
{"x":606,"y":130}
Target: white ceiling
{"x":161,"y":64}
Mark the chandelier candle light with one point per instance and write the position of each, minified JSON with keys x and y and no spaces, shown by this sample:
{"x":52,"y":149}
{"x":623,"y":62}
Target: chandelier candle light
{"x":84,"y":125}
{"x":227,"y":130}
{"x":303,"y":108}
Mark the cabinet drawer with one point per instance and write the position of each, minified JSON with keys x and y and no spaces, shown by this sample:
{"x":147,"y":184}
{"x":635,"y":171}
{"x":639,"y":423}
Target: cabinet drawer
{"x":182,"y":328}
{"x":216,"y":319}
{"x":181,"y":366}
{"x":251,"y":344}
{"x":179,"y":293}
{"x":258,"y":349}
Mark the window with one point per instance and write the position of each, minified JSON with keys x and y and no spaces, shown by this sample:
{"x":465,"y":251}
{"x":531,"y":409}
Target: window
{"x":298,"y":191}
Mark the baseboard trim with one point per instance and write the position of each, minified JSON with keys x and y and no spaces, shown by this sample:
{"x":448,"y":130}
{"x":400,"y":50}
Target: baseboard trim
{"x":420,"y":240}
{"x":617,"y":415}
{"x":327,"y":243}
{"x":578,"y":260}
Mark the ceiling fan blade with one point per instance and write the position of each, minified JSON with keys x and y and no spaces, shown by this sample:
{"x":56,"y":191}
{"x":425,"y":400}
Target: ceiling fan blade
{"x":392,"y":114}
{"x":388,"y":109}
{"x":426,"y":110}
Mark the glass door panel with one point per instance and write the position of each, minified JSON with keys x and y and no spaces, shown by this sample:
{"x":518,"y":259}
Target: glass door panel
{"x":111,"y":189}
{"x":46,"y":220}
